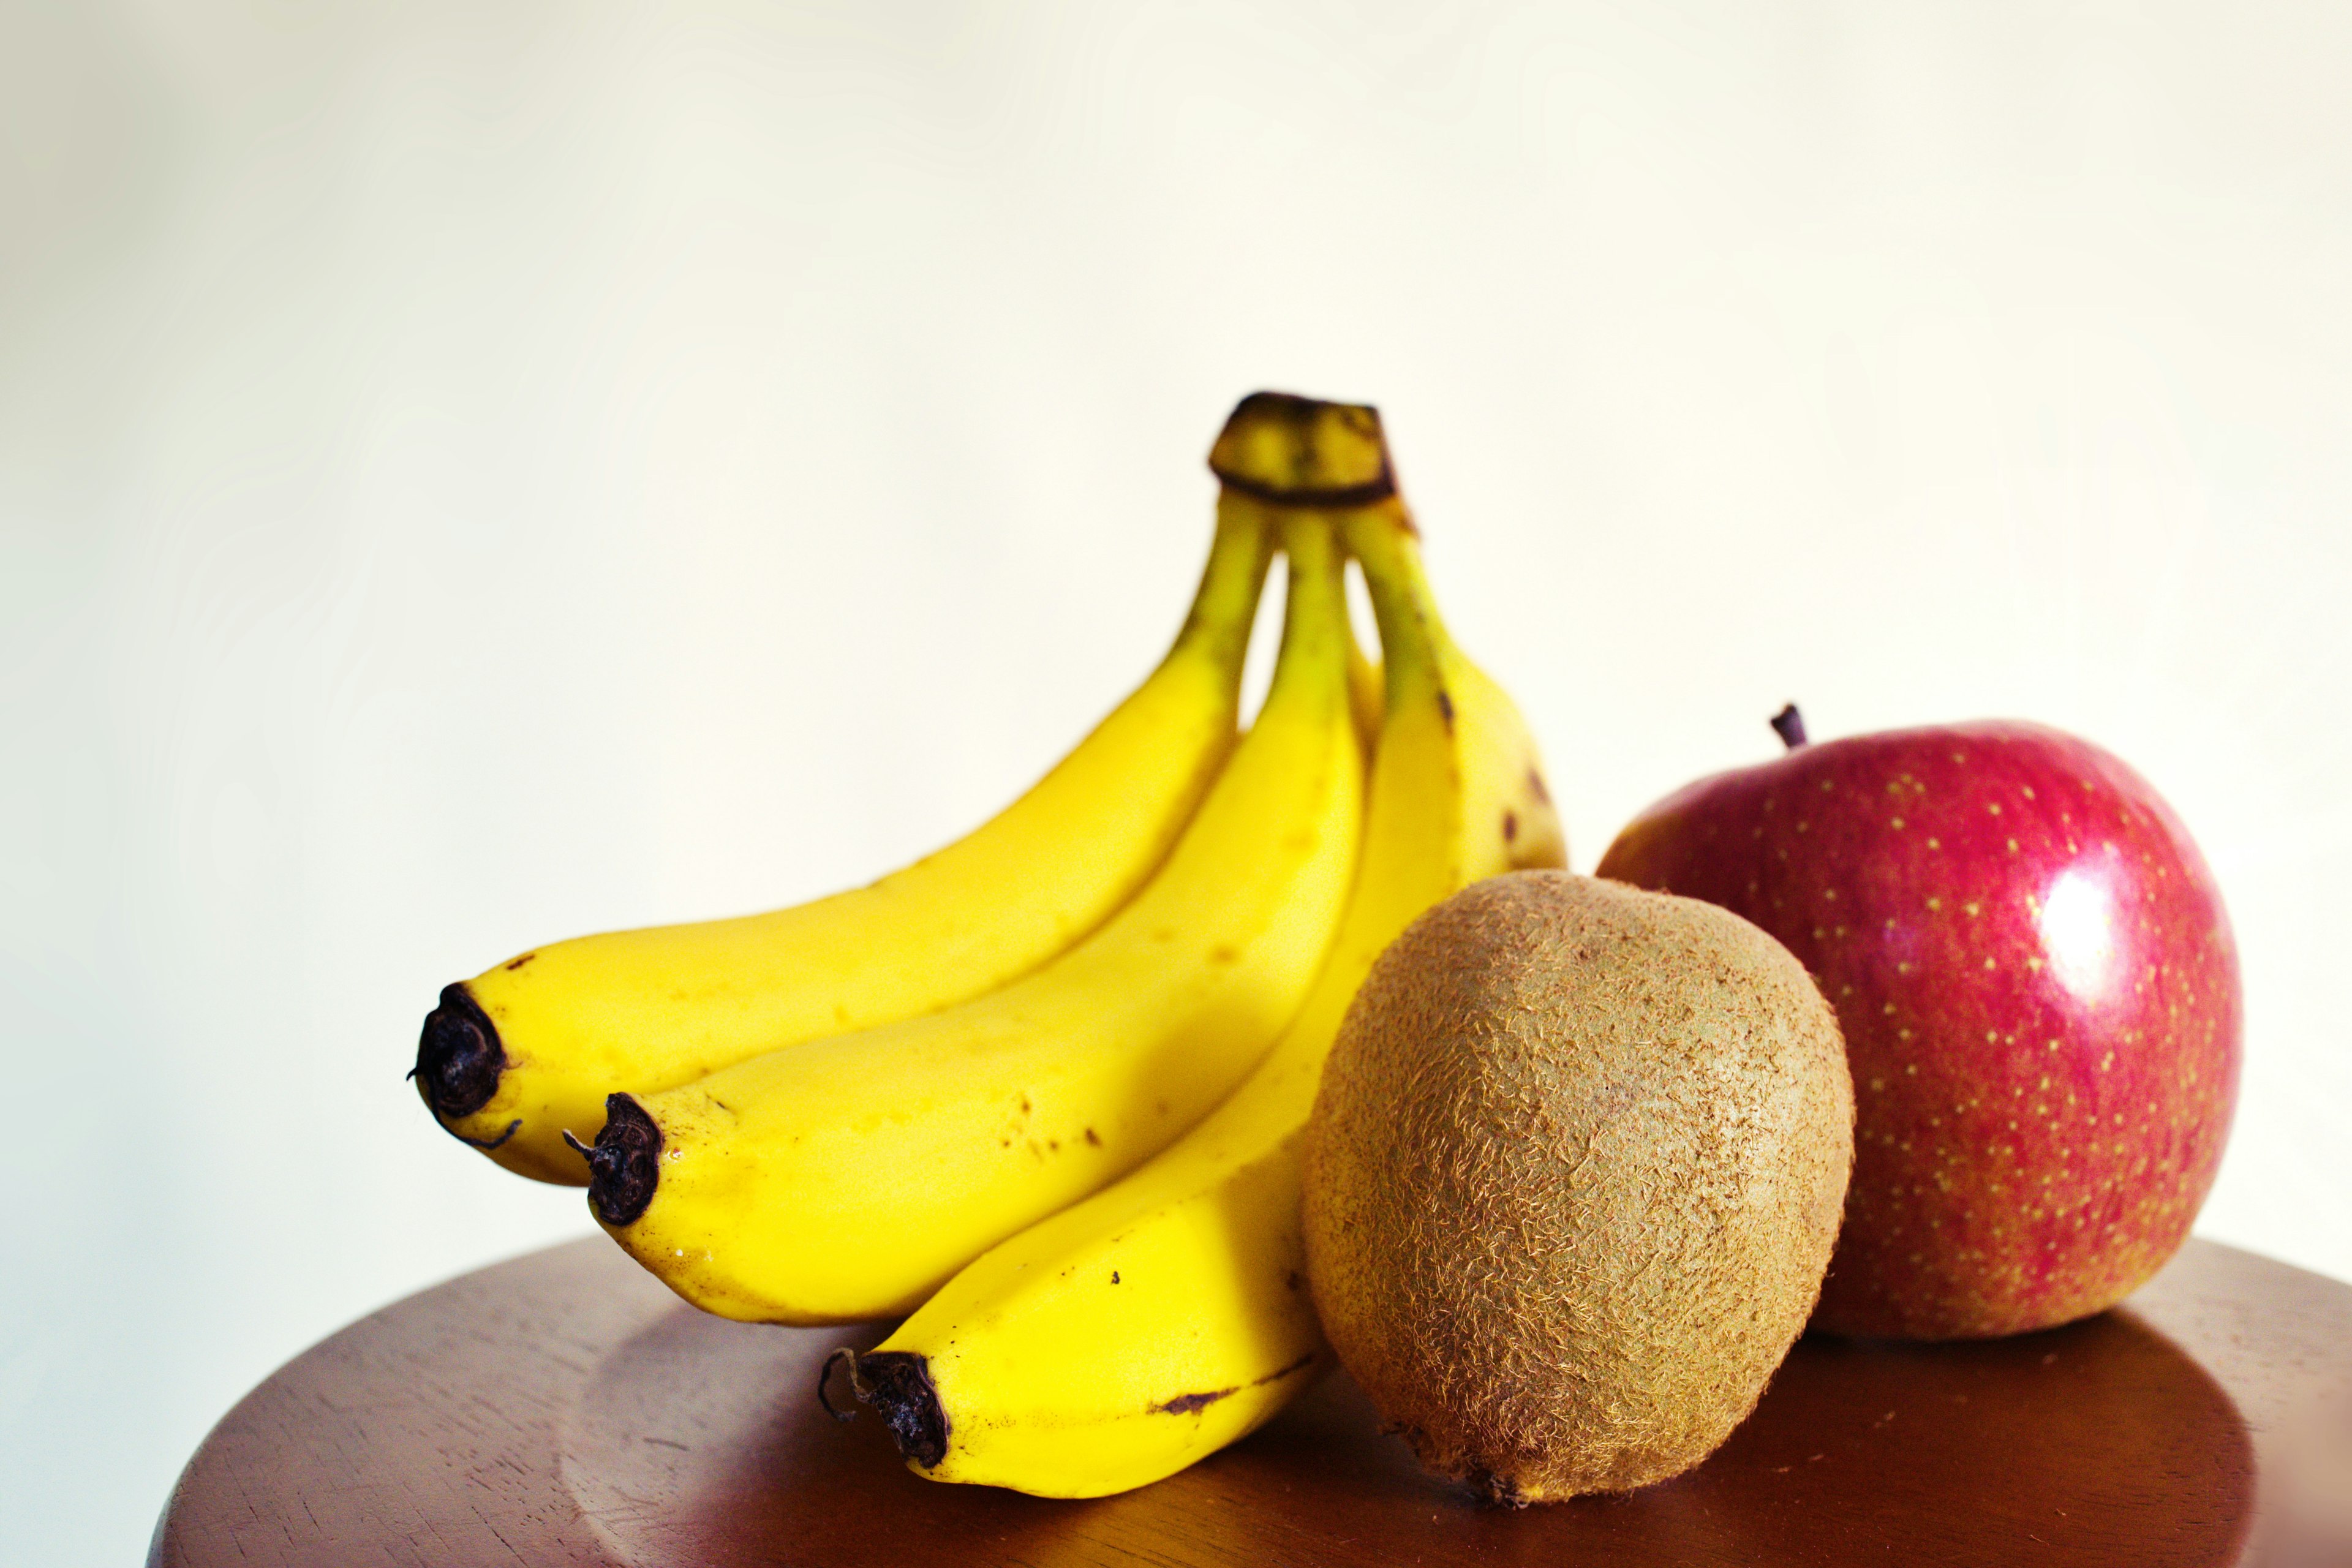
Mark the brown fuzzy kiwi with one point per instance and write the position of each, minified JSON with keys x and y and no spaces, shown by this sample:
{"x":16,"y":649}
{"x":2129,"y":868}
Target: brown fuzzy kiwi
{"x":1572,"y":1180}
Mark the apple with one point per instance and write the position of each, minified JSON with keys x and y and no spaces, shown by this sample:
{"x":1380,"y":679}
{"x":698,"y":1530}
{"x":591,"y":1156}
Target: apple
{"x":2040,"y":996}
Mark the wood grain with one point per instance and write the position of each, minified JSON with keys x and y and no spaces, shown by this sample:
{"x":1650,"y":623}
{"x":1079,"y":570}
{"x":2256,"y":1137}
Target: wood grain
{"x":565,"y":1408}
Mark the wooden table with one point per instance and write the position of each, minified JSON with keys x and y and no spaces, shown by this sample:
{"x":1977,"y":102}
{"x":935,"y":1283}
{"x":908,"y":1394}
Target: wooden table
{"x":565,"y":1408}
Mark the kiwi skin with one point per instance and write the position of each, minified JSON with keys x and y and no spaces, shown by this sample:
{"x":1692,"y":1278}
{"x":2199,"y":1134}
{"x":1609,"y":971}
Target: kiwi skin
{"x":1572,"y":1180}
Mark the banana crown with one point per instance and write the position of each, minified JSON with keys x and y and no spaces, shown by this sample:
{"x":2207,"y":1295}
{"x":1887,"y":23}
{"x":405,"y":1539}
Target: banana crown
{"x":1302,"y":452}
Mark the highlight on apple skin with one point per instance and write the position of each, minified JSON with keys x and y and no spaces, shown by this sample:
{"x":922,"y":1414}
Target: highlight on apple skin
{"x":2039,"y":992}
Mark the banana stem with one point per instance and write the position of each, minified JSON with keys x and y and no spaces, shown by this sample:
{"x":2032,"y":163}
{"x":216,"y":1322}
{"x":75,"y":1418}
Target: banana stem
{"x":1224,"y":610}
{"x":1415,"y":645}
{"x":1314,"y":618}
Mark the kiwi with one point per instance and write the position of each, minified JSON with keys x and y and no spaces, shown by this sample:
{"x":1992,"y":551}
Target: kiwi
{"x":1572,"y":1178}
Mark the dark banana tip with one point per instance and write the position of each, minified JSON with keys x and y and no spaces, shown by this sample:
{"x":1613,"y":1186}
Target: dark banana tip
{"x":458,"y":1058}
{"x":624,"y":1165}
{"x":1302,"y":451}
{"x":899,"y":1384}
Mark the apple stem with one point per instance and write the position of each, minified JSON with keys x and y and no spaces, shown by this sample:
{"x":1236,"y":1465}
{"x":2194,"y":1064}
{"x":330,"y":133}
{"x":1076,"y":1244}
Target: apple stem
{"x":1789,"y":725}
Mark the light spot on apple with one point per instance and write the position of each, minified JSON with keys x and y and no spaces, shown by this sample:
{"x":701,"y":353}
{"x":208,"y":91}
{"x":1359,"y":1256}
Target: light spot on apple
{"x":2077,"y":925}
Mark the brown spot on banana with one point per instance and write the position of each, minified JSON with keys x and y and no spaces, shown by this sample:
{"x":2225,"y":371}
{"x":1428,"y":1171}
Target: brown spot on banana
{"x":1185,"y":1404}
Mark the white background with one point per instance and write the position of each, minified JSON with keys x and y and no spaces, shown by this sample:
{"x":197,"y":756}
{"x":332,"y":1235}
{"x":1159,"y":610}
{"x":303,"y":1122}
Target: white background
{"x":476,"y":474}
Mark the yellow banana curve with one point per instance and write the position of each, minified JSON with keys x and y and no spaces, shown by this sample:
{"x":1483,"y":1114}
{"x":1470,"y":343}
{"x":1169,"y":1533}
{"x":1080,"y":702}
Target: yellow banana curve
{"x":1168,"y":1315}
{"x":528,"y":1050}
{"x":844,"y":1179}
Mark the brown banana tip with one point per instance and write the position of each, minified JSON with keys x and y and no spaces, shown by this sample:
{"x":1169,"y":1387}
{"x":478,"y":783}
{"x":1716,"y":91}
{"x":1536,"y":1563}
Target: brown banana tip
{"x":459,"y":1057}
{"x":625,"y":1162}
{"x":899,"y":1384}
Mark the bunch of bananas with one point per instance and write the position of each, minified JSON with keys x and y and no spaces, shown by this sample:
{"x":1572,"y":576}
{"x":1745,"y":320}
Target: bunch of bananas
{"x":1042,"y":1090}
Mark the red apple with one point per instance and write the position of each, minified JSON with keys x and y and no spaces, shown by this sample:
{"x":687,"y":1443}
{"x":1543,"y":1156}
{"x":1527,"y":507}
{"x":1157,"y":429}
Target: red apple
{"x":2039,"y":992}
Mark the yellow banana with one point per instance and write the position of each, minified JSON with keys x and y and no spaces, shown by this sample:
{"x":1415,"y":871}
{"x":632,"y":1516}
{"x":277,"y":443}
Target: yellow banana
{"x":845,"y":1178}
{"x":521,"y":1053}
{"x":1168,"y":1315}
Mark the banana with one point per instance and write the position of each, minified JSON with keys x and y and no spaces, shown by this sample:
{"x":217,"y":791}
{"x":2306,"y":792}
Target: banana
{"x":845,"y":1178}
{"x":525,"y":1051}
{"x":1167,"y":1316}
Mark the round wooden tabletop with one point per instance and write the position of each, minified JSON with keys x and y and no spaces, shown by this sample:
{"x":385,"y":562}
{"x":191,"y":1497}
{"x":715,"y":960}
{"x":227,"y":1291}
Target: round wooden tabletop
{"x":565,"y":1408}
